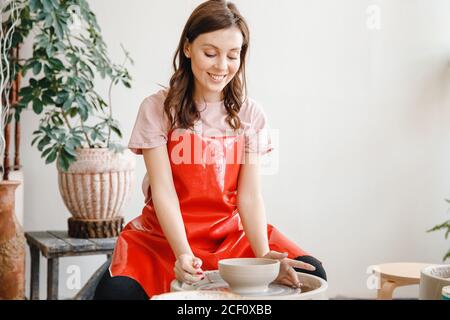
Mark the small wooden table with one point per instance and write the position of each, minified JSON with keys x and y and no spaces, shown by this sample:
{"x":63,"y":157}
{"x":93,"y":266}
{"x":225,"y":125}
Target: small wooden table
{"x":54,"y":245}
{"x":394,"y":275}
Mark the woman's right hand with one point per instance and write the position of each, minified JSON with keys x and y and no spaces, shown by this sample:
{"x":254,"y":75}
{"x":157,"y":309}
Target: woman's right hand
{"x":188,"y":269}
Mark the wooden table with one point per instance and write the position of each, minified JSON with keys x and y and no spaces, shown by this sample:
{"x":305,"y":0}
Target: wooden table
{"x":394,"y":275}
{"x":54,"y":245}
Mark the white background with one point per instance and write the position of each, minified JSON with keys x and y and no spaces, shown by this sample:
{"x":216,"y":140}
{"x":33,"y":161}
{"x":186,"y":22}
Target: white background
{"x":362,"y":113}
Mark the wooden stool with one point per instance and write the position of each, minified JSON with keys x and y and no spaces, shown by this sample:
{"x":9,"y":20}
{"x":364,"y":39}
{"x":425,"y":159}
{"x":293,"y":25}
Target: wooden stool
{"x":56,"y":244}
{"x":394,"y":275}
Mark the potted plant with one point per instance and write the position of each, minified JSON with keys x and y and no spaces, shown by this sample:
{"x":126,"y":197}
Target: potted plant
{"x":76,"y":124}
{"x":12,"y":240}
{"x":435,"y":277}
{"x":446,"y":227}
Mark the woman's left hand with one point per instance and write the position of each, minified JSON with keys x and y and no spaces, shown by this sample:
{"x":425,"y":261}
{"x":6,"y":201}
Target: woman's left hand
{"x":288,"y":275}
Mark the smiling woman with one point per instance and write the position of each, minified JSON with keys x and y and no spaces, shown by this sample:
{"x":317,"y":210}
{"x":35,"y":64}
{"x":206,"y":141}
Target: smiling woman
{"x":200,"y":212}
{"x":211,"y":52}
{"x":215,"y":60}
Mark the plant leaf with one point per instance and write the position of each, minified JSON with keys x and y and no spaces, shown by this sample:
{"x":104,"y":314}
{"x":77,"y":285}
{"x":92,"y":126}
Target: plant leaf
{"x":447,"y":256}
{"x":37,"y":67}
{"x":34,"y":140}
{"x":117,"y":131}
{"x":70,"y":151}
{"x":68,"y":103}
{"x":46,"y":152}
{"x":63,"y":162}
{"x":44,"y":141}
{"x":52,"y":156}
{"x":37,"y":106}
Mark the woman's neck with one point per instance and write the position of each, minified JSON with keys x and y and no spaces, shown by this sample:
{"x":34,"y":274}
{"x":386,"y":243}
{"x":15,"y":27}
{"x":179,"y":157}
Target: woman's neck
{"x":212,"y":97}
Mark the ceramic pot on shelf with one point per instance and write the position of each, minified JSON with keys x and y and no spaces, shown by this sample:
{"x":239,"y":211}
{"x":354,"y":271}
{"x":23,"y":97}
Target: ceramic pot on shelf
{"x":95,"y":189}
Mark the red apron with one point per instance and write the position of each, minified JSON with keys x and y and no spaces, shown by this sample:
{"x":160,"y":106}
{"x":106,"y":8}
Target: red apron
{"x":205,"y":173}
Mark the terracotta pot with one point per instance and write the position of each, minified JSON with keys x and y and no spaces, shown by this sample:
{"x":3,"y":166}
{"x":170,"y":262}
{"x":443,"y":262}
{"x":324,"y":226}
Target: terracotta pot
{"x":98,"y":184}
{"x":12,"y":246}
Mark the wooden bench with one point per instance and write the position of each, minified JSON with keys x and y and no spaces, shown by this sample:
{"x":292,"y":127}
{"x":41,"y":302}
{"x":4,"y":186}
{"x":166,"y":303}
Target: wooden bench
{"x":57,"y":244}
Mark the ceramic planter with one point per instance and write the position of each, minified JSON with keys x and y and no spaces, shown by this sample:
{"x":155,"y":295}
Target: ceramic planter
{"x":95,"y":189}
{"x":12,"y":246}
{"x":432,"y":280}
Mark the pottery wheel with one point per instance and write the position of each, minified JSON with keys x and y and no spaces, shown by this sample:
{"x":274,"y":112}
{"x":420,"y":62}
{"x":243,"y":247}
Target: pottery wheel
{"x":213,"y":281}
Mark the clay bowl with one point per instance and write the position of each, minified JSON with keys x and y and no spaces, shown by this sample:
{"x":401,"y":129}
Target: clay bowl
{"x":248,"y":275}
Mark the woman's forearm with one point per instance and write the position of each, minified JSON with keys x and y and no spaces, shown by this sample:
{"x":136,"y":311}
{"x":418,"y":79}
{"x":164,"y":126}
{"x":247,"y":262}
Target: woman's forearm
{"x":169,"y":217}
{"x":253,"y":217}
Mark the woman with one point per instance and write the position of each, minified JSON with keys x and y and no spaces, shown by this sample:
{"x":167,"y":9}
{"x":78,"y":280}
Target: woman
{"x":201,"y":140}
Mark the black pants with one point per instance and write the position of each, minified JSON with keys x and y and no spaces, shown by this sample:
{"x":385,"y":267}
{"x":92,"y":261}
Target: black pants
{"x":125,"y":288}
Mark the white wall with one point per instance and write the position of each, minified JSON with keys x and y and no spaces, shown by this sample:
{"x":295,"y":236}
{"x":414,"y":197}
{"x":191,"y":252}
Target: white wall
{"x":363,"y":116}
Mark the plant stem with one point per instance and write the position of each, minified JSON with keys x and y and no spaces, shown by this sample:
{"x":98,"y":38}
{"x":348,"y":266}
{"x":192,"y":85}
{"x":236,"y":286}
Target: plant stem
{"x":109,"y":99}
{"x":70,"y":127}
{"x":90,"y":145}
{"x":110,"y":111}
{"x":66,"y":120}
{"x":85,"y":134}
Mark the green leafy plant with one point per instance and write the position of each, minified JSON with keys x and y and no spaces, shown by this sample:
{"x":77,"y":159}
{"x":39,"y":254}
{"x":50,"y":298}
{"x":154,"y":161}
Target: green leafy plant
{"x":68,"y":52}
{"x":443,"y":226}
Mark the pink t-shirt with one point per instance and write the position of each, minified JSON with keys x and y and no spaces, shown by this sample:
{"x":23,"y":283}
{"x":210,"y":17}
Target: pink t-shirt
{"x":151,"y":128}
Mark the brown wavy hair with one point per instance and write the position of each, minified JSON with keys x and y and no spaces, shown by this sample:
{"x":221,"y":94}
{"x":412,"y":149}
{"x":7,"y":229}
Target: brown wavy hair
{"x":179,"y":105}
